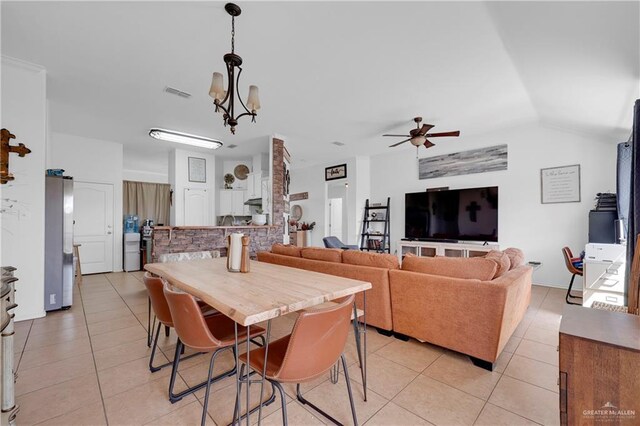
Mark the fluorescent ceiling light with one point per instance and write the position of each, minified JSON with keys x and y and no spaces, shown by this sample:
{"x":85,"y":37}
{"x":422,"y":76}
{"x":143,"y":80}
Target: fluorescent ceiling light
{"x":185,"y":138}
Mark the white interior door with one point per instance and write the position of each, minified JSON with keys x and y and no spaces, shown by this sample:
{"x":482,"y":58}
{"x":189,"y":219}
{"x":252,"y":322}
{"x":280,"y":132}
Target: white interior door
{"x":196,"y":207}
{"x":335,"y":218}
{"x":93,"y":229}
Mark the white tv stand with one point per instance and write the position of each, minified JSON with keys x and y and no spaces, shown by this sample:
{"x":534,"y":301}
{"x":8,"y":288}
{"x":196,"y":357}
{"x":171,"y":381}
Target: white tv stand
{"x":435,"y":248}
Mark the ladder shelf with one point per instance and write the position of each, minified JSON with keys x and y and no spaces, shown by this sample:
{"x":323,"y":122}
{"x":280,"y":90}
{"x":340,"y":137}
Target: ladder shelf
{"x":376,"y":241}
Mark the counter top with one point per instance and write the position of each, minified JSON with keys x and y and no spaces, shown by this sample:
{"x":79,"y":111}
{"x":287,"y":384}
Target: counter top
{"x":169,"y":228}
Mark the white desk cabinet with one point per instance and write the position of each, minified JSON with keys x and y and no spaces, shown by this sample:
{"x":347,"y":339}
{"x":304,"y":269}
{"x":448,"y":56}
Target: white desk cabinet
{"x":604,"y":273}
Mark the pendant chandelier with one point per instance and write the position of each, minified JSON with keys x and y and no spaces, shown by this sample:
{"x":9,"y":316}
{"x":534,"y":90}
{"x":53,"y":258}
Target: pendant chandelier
{"x":225,"y":100}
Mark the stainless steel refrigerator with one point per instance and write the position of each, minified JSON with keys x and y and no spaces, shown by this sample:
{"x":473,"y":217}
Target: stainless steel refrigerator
{"x":58,"y":243}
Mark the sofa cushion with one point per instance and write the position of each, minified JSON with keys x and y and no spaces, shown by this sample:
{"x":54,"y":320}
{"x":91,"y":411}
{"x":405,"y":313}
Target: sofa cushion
{"x":501,"y":259}
{"x":377,"y":260}
{"x":324,"y":254}
{"x":516,"y":257}
{"x":287,"y":250}
{"x":455,"y":267}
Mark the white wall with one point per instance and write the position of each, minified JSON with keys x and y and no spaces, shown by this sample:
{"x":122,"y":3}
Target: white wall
{"x":92,"y":160}
{"x":316,"y":208}
{"x":145,"y":176}
{"x":179,"y":180}
{"x":24,"y":114}
{"x":229,"y":165}
{"x":540,"y":230}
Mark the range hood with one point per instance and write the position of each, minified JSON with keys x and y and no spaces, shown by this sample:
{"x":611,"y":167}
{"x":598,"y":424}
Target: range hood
{"x":253,"y":202}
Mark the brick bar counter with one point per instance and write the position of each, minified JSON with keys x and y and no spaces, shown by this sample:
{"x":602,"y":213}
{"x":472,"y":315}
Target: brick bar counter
{"x":178,"y":239}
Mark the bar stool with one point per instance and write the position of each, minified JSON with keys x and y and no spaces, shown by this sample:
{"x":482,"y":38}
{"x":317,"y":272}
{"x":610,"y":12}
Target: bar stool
{"x":206,"y":334}
{"x":78,"y":268}
{"x":313,"y":348}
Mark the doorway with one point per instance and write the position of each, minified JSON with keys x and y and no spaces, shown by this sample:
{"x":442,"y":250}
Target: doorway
{"x":335,"y":218}
{"x":93,"y":225}
{"x":337,"y":223}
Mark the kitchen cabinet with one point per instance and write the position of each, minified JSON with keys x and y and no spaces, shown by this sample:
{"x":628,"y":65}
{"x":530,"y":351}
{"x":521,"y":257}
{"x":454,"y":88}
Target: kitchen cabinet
{"x":254,"y":185}
{"x":231,"y":202}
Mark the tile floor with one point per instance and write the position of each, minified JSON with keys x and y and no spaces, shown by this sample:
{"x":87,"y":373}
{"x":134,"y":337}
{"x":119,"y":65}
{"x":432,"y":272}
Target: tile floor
{"x":88,"y":366}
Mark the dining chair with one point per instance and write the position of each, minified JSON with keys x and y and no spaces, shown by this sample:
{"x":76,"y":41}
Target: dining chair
{"x":176,"y":257}
{"x":213,"y":334}
{"x":575,"y":268}
{"x":314,"y":346}
{"x":155,"y":291}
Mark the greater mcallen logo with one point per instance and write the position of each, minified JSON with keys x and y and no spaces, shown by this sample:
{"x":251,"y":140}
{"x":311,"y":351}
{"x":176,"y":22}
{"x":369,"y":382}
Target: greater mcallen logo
{"x":609,"y":412}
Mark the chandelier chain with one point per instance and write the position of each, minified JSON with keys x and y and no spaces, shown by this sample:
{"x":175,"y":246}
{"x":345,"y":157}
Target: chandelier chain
{"x":233,"y":33}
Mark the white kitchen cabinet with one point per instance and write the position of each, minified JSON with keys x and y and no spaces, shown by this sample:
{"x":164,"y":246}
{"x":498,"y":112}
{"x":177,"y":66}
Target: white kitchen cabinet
{"x":254,"y":185}
{"x":231,"y":202}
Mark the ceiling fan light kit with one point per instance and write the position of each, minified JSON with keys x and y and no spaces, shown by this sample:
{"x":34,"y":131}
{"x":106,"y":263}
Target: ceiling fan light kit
{"x":225,"y":100}
{"x":419,"y":135}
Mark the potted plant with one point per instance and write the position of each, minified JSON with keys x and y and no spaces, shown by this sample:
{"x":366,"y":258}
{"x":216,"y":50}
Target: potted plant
{"x":259,"y":218}
{"x":304,"y":232}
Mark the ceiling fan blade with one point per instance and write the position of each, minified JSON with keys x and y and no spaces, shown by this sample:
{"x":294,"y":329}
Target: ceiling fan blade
{"x":425,"y":128}
{"x":399,"y":143}
{"x":428,"y":144}
{"x":398,"y":136}
{"x":438,"y":135}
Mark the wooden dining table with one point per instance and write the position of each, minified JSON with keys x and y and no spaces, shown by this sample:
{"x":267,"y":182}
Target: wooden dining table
{"x":268,"y":291}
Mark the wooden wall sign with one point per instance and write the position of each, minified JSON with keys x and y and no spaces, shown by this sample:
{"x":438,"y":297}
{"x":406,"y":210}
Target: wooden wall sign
{"x":299,"y":196}
{"x":5,"y":149}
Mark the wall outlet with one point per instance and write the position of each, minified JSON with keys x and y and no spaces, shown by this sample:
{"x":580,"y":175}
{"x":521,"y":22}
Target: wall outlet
{"x":52,"y":299}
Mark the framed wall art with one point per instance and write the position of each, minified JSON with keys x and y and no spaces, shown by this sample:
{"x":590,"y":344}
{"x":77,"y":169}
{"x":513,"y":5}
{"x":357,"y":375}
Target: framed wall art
{"x":197,"y":170}
{"x":335,"y":172}
{"x":560,"y":184}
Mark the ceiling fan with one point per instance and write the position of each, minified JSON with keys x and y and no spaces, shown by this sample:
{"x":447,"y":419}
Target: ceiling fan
{"x":419,"y":135}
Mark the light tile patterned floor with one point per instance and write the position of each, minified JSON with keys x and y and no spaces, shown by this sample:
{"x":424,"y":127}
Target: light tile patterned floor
{"x":88,"y":366}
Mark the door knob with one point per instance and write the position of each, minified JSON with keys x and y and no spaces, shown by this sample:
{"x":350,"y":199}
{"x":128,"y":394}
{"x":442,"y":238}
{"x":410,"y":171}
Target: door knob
{"x":109,"y":233}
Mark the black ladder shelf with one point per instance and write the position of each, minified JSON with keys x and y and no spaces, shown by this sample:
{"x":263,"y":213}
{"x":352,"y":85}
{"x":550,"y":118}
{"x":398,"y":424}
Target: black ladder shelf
{"x":373,"y":241}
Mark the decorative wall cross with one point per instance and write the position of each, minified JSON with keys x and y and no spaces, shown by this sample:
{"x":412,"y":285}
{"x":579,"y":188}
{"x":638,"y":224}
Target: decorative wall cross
{"x":5,"y":149}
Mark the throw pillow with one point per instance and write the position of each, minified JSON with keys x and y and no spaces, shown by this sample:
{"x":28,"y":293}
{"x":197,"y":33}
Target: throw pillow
{"x":376,"y":260}
{"x":516,"y":256}
{"x":454,"y":267}
{"x":501,"y":259}
{"x":324,"y":254}
{"x":286,"y":250}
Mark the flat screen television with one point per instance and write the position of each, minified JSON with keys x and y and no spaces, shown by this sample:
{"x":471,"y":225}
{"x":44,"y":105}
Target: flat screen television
{"x":460,"y":214}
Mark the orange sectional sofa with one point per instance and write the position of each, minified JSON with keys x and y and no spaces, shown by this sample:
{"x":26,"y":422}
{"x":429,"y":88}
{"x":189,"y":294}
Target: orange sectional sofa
{"x":475,"y":316}
{"x":349,"y":264}
{"x":470,"y":305}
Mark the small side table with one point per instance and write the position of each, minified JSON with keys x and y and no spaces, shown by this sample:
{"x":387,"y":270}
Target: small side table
{"x":78,"y":268}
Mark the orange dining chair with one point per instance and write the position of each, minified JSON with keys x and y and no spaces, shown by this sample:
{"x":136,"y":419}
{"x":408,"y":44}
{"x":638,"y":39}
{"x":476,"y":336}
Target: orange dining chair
{"x":571,"y":262}
{"x":314,"y":346}
{"x":205,"y":333}
{"x":160,"y":307}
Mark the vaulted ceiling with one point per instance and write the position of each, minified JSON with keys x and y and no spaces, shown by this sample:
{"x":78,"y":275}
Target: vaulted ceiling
{"x":332,"y":71}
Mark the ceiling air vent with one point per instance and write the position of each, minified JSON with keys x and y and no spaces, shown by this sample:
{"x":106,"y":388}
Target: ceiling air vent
{"x":233,"y":145}
{"x":338,"y":143}
{"x":177,"y":92}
